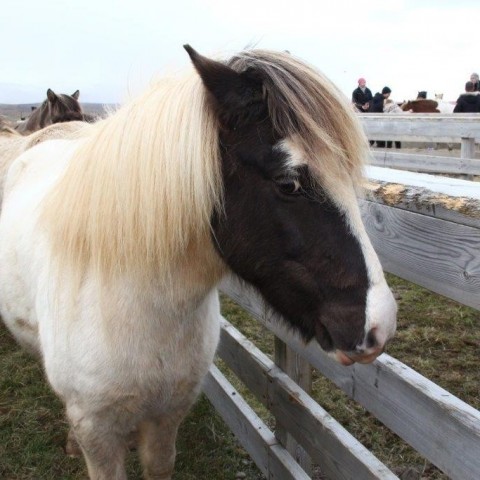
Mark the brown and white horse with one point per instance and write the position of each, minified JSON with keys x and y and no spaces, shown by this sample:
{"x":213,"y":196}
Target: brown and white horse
{"x":112,"y":244}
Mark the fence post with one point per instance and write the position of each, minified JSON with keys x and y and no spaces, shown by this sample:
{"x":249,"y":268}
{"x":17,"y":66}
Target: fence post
{"x":467,"y":150}
{"x":300,"y":371}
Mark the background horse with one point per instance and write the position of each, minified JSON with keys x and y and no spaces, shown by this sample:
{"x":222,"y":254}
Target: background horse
{"x":75,"y":116}
{"x":444,"y":107}
{"x":56,"y":108}
{"x":249,"y":166}
{"x":421,"y":106}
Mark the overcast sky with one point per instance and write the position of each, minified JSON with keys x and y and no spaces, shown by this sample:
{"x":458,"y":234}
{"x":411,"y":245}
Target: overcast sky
{"x":110,"y":50}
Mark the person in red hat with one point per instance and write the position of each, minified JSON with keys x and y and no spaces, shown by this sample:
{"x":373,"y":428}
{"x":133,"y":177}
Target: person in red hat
{"x":362,"y":96}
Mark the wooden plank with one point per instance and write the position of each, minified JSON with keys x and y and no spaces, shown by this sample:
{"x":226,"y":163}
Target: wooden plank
{"x":426,"y":163}
{"x":424,"y":127}
{"x":425,"y":203}
{"x":339,"y":455}
{"x":449,"y":186}
{"x":439,"y":255}
{"x":441,"y":197}
{"x":300,"y":372}
{"x":436,"y":423}
{"x":270,"y":457}
{"x":467,"y":150}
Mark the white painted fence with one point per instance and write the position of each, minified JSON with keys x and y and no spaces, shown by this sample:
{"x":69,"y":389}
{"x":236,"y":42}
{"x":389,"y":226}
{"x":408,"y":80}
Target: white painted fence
{"x":421,"y":237}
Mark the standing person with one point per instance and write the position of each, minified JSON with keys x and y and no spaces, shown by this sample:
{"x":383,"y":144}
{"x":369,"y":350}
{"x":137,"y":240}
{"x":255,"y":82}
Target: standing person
{"x":476,"y":82}
{"x":389,"y":106}
{"x":362,"y":96}
{"x":468,"y":102}
{"x":377,"y":107}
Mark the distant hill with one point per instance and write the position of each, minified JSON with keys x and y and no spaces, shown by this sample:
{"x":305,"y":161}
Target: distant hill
{"x":15,"y":112}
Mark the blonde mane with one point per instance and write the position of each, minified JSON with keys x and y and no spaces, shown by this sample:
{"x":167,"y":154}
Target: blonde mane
{"x":141,"y":188}
{"x":142,"y":185}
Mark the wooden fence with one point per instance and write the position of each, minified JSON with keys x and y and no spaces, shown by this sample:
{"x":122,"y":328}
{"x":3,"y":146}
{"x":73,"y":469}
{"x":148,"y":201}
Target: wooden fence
{"x":426,"y":230}
{"x":454,"y":129}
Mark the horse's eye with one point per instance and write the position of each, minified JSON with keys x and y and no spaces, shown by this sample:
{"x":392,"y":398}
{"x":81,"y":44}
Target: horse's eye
{"x":289,"y":186}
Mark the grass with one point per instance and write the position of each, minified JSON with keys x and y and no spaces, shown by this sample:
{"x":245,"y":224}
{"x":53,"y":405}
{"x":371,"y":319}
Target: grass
{"x":437,"y":337}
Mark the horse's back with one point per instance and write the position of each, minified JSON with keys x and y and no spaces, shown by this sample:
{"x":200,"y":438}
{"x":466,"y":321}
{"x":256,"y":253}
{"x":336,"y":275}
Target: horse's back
{"x":41,"y":161}
{"x":12,"y":146}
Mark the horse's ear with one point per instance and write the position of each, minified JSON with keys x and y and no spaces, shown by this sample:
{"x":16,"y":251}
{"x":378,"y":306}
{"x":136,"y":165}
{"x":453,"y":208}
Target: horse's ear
{"x":76,"y":94}
{"x":232,"y":91}
{"x":51,"y":95}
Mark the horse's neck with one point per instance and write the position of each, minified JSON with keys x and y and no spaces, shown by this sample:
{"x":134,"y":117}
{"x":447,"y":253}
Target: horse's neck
{"x":39,"y":118}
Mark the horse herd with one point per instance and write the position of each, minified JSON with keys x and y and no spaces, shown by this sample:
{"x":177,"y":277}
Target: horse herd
{"x":115,"y":234}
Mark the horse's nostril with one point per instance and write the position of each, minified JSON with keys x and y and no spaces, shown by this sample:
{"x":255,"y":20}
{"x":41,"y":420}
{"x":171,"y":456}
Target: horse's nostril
{"x":371,"y":339}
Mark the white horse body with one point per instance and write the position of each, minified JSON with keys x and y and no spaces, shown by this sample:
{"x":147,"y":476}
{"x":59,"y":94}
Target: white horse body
{"x":445,"y":107}
{"x":139,"y":375}
{"x":113,"y":240}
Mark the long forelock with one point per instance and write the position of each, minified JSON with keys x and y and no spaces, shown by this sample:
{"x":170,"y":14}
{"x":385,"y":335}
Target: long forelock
{"x":305,"y":106}
{"x":142,"y":185}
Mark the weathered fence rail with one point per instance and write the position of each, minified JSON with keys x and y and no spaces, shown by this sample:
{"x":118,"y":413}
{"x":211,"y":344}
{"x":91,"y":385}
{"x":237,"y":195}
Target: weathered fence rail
{"x":463,"y":129}
{"x":425,"y":229}
{"x":437,"y":424}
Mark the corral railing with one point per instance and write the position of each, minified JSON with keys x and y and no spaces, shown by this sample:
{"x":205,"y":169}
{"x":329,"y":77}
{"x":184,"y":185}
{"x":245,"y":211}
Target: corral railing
{"x":425,"y":231}
{"x":463,"y":129}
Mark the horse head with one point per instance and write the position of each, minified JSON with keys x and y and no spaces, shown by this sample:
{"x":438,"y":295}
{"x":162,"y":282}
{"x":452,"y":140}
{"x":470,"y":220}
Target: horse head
{"x":290,"y":224}
{"x":63,"y":107}
{"x":56,"y":108}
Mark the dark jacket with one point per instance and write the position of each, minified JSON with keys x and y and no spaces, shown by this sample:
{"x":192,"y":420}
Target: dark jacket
{"x":377,"y":103}
{"x":359,"y":98}
{"x":468,"y":103}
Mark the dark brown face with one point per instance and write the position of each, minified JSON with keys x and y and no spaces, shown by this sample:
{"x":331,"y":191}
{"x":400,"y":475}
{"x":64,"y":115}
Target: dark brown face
{"x":63,"y":108}
{"x":279,"y":230}
{"x":282,"y":234}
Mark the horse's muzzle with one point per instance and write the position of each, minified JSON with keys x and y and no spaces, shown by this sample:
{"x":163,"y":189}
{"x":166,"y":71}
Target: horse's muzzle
{"x":349,"y":358}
